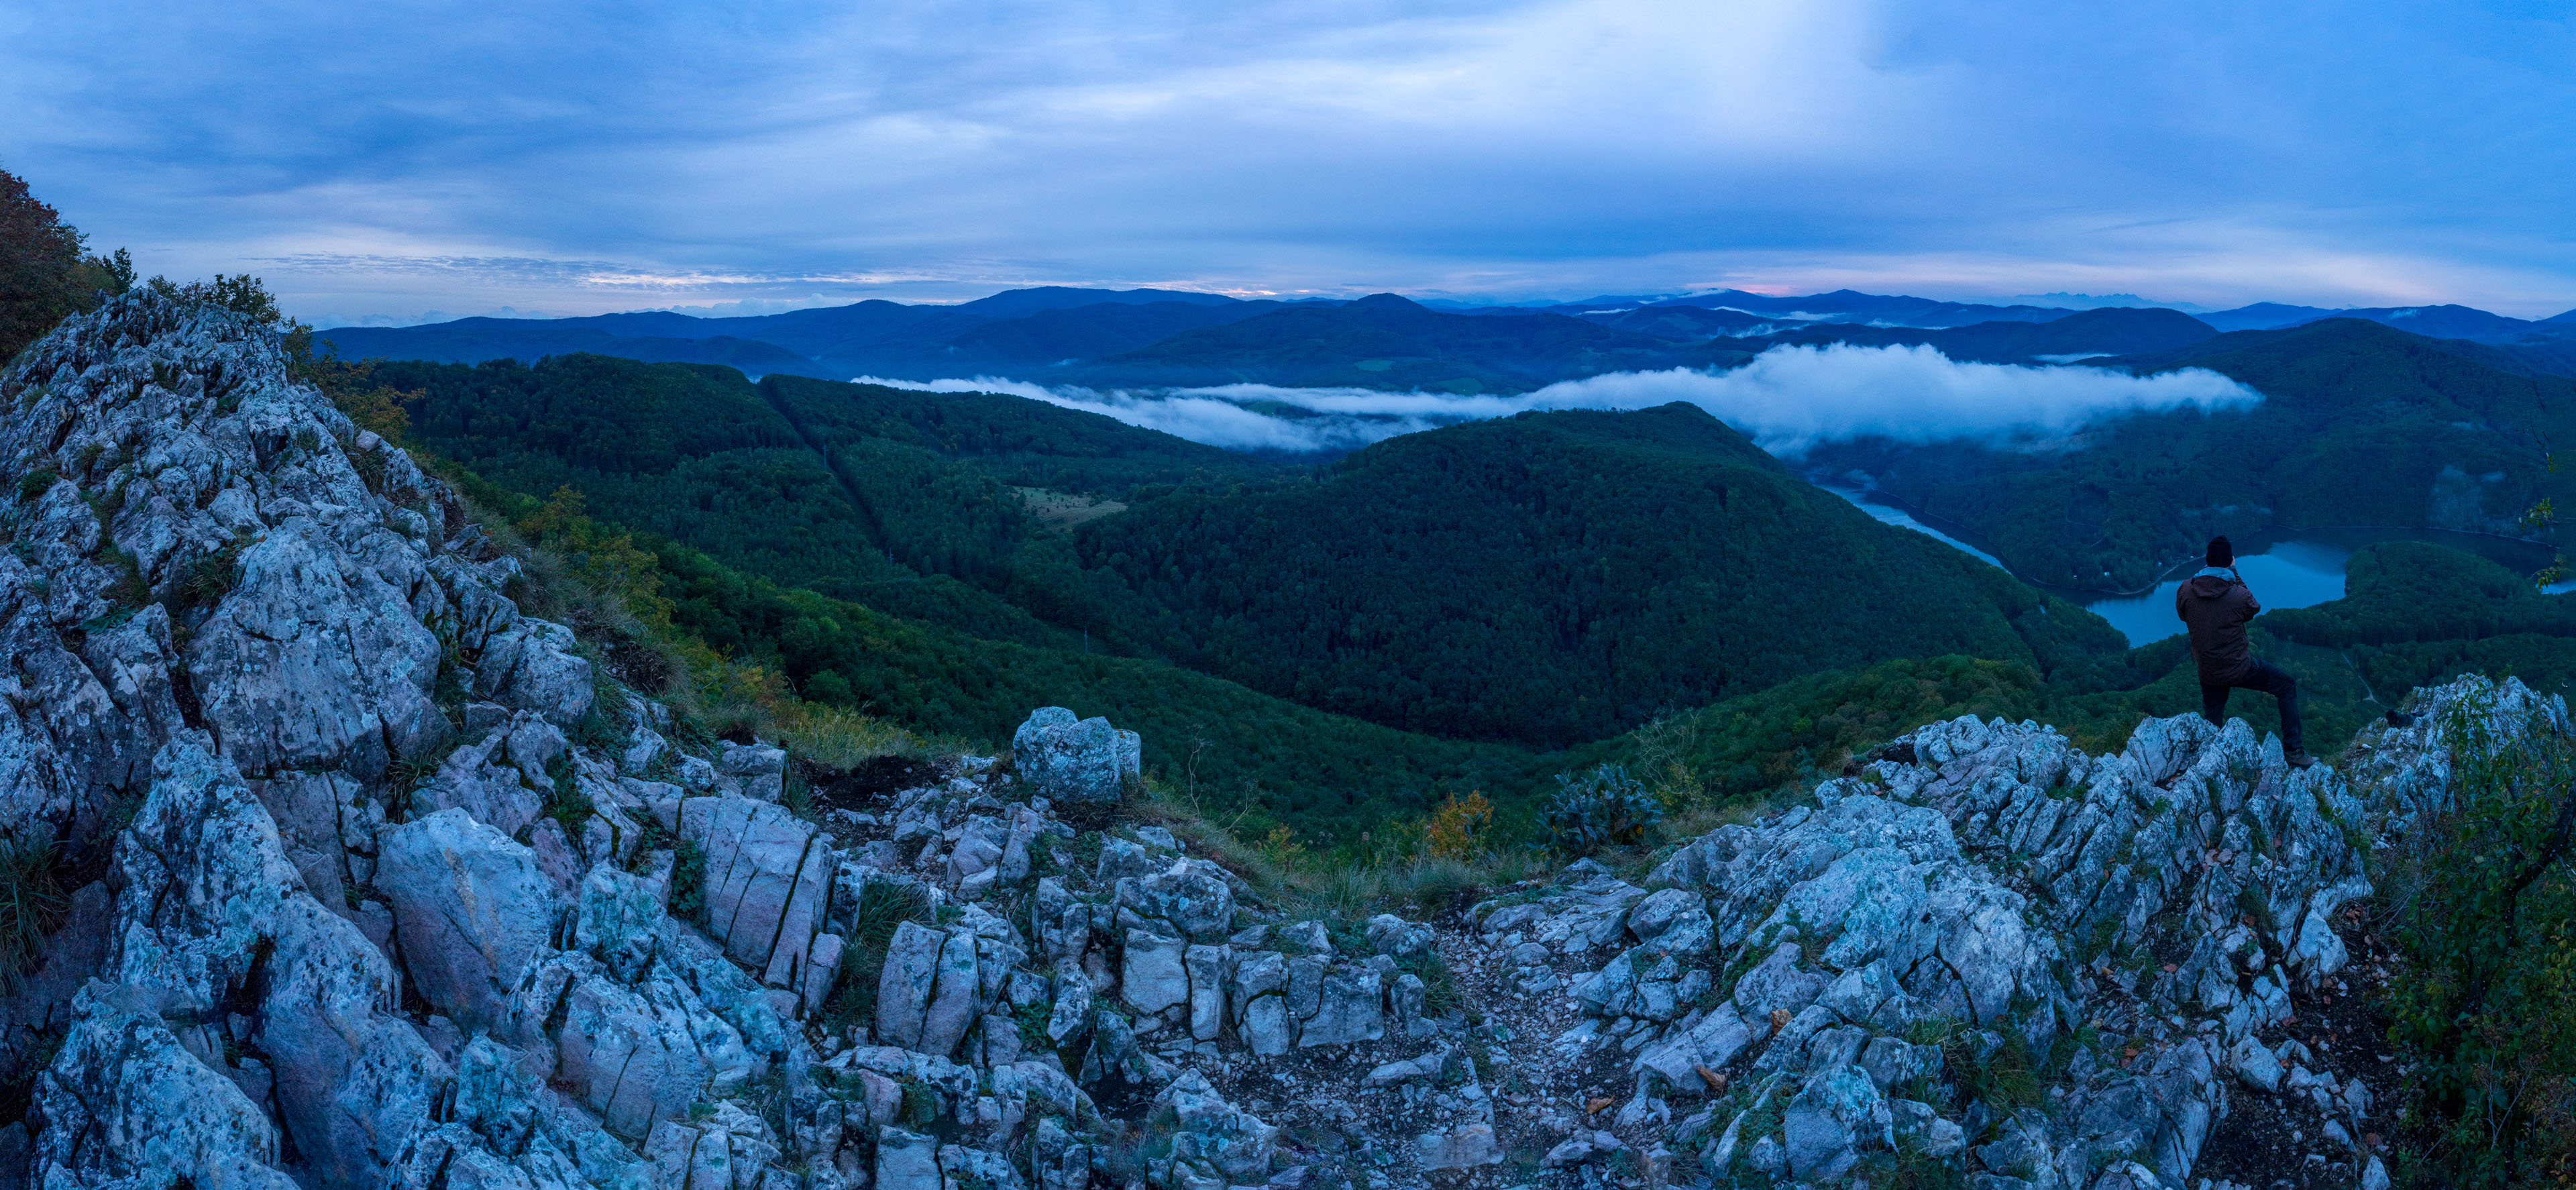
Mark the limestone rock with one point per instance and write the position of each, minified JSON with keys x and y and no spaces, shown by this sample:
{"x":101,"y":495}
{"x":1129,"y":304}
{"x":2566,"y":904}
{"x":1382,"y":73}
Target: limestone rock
{"x":126,"y":1105}
{"x":769,"y":875}
{"x":1065,"y":759}
{"x":1210,"y":1136}
{"x":471,"y":909}
{"x":1152,"y":976}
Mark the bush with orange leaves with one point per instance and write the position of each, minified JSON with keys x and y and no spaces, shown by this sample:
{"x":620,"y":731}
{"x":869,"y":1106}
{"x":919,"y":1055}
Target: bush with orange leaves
{"x":1457,"y":827}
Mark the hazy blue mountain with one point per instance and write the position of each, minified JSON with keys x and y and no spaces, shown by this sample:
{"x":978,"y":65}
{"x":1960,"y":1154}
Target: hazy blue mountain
{"x":1685,"y":323}
{"x":2264,"y":316}
{"x":2445,"y":322}
{"x":473,"y":340}
{"x":1845,"y":305}
{"x":2109,"y":330}
{"x":1088,"y":332}
{"x":1387,"y":342}
{"x":1033,"y":326}
{"x":1019,"y":303}
{"x":1151,"y":337}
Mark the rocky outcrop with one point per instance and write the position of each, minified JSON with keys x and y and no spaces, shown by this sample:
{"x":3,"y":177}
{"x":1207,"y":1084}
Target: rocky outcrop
{"x":2129,"y":933}
{"x":384,"y":873}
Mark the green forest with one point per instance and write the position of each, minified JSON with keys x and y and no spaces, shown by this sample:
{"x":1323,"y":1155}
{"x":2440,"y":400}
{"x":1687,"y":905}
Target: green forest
{"x":1541,"y":580}
{"x":1322,"y":647}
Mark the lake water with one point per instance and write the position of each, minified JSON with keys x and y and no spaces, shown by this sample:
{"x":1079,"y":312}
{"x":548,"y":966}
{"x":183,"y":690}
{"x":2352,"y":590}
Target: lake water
{"x":2288,"y":574}
{"x":1892,"y":515}
{"x":2295,"y":573}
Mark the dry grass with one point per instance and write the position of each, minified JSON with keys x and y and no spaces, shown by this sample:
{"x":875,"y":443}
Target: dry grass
{"x":1404,"y":877}
{"x":723,"y":695}
{"x":840,"y":738}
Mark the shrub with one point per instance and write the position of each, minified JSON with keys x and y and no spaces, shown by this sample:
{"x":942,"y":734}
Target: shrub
{"x":2484,"y":917}
{"x":688,"y":881}
{"x":1602,"y":808}
{"x":31,"y":904}
{"x":570,"y":805}
{"x":210,"y":578}
{"x":36,"y":483}
{"x":1457,"y":828}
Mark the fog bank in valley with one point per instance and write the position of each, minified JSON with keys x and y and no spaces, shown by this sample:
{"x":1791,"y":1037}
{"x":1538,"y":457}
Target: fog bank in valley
{"x":1788,"y":399}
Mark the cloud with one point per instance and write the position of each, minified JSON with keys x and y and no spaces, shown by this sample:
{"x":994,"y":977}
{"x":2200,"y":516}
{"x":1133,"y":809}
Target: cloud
{"x":1346,"y":419}
{"x":2210,"y":152}
{"x":1788,"y":399}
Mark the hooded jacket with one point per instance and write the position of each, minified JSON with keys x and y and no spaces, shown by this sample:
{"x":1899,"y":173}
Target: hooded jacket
{"x":2215,"y":607}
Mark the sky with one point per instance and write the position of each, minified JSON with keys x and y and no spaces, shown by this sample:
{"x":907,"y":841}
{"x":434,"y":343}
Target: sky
{"x":385,"y":161}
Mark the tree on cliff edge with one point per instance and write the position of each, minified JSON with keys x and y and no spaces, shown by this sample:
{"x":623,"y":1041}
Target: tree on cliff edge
{"x":44,"y":278}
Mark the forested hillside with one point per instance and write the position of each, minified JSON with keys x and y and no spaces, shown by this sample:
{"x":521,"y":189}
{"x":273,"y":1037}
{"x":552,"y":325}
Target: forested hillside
{"x":1260,"y":759}
{"x":904,"y":500}
{"x":1557,"y":577}
{"x":2360,"y":425}
{"x":1547,"y":579}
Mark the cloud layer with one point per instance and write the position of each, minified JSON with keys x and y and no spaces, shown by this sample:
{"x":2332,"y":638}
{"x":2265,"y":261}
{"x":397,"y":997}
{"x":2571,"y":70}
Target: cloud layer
{"x":1787,"y":400}
{"x":581,"y":157}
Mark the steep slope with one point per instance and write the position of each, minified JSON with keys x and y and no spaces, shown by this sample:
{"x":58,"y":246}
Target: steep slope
{"x":380,"y":882}
{"x":376,"y":880}
{"x":1556,"y":577}
{"x":2360,"y":425}
{"x":1014,"y":440}
{"x":700,"y":456}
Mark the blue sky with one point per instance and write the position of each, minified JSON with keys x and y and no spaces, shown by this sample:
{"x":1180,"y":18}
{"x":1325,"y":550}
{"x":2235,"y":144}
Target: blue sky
{"x":399,"y":157}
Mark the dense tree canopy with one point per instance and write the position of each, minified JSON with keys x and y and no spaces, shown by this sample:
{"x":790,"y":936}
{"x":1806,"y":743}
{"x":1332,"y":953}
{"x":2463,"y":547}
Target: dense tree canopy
{"x":44,"y":277}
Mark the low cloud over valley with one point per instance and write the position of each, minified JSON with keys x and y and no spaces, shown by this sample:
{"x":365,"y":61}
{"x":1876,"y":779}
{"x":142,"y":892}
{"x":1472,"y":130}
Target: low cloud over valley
{"x":1788,"y":399}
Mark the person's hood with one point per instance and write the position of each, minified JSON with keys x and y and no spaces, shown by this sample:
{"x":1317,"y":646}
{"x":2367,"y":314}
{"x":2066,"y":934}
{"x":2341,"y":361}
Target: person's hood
{"x":2207,"y":586}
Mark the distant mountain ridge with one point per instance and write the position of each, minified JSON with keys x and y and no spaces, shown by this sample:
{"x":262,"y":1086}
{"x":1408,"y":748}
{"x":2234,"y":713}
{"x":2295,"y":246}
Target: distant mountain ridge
{"x":1164,"y":337}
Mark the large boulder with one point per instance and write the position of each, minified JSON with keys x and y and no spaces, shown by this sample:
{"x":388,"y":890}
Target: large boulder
{"x":537,"y":666}
{"x":471,"y":908}
{"x":1076,"y":760}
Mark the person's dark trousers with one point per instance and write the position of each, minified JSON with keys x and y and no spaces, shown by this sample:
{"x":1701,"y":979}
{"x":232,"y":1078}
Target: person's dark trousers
{"x":2270,"y":679}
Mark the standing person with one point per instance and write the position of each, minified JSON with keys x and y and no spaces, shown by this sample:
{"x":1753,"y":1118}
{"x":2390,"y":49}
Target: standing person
{"x":2215,"y":604}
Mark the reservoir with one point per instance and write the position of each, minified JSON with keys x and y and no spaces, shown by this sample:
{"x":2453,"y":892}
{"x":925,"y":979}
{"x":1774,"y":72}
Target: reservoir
{"x":2289,"y":574}
{"x":2294,"y":572}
